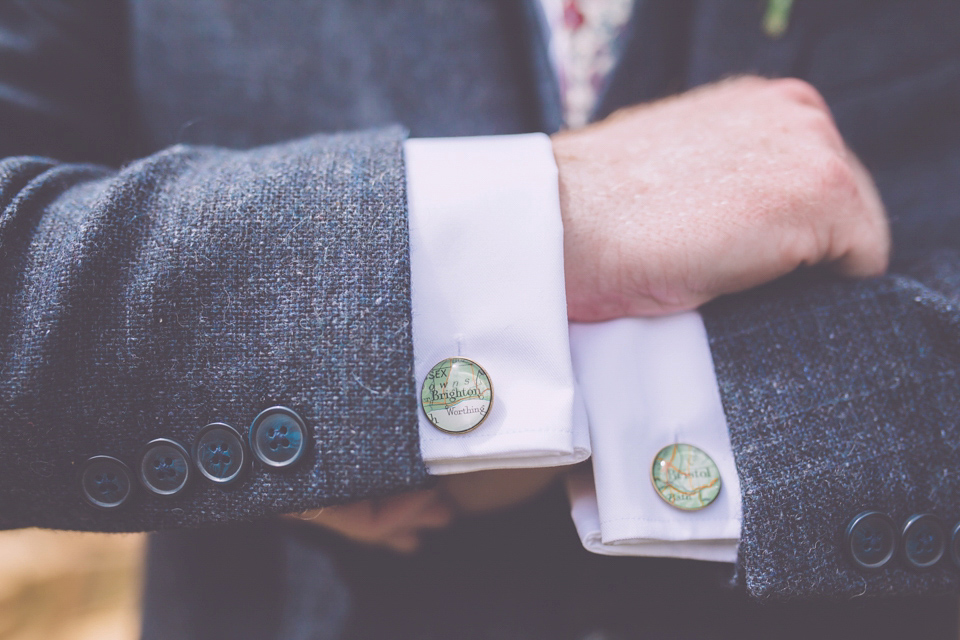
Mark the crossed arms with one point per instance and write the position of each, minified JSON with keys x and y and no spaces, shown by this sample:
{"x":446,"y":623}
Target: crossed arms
{"x":198,"y":285}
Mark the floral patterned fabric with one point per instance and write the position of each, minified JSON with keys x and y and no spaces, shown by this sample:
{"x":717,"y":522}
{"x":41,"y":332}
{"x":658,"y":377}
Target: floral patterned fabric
{"x":584,"y":39}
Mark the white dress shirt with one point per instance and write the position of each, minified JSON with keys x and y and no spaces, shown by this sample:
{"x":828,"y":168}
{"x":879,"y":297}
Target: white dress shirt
{"x":649,"y":383}
{"x":486,"y":261}
{"x":486,"y":250}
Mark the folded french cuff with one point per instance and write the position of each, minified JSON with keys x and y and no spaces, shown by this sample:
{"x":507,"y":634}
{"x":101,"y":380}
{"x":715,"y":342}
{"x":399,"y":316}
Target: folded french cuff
{"x":649,"y":384}
{"x":486,"y":249}
{"x":586,"y":518}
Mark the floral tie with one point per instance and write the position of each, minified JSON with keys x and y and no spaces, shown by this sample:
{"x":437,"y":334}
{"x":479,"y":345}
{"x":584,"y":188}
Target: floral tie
{"x":583,"y":40}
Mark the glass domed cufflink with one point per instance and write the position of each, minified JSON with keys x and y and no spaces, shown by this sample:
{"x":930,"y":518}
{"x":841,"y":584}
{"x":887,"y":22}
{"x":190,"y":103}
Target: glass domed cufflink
{"x":685,"y":477}
{"x":457,"y":395}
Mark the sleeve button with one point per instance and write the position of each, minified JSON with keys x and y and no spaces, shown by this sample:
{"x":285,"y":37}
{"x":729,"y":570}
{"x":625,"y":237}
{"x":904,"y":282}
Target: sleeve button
{"x":871,"y":540}
{"x":923,"y":541}
{"x":106,"y":482}
{"x":164,"y":467}
{"x":278,"y":437}
{"x":219,"y":453}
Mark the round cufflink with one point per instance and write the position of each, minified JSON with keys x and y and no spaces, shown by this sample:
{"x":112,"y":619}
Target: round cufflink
{"x":870,"y":540}
{"x":456,"y":395}
{"x":106,"y":483}
{"x":278,"y":437}
{"x":685,"y":477}
{"x":219,"y":453}
{"x":923,"y":541}
{"x":164,"y":467}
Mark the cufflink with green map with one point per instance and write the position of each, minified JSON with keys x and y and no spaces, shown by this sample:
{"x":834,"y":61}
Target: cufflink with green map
{"x":685,"y":476}
{"x":456,"y":395}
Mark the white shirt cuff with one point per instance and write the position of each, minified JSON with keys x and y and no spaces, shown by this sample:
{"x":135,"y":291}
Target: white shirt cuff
{"x":486,"y":261}
{"x":649,"y":383}
{"x":486,"y":251}
{"x":586,"y":518}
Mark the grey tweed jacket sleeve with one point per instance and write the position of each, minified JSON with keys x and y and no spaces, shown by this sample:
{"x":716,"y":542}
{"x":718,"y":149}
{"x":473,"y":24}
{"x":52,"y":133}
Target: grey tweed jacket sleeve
{"x":192,"y":286}
{"x":841,"y":397}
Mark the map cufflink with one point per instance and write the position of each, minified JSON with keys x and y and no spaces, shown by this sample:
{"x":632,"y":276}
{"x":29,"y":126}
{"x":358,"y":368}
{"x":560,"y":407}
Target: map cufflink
{"x":456,"y":395}
{"x":685,"y":477}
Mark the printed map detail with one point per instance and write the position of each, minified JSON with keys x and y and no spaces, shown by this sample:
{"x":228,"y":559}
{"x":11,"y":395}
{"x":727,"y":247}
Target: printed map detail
{"x":456,"y":395}
{"x":686,"y":477}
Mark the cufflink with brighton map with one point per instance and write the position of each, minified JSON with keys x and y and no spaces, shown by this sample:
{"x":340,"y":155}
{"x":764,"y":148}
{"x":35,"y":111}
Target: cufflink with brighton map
{"x":456,"y":395}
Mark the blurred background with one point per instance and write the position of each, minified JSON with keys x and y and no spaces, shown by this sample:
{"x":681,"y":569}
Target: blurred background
{"x":57,"y":585}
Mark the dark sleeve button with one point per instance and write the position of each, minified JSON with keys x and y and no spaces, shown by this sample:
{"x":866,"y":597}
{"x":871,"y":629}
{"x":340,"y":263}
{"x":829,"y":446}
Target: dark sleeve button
{"x":164,"y":467}
{"x":871,"y":540}
{"x":278,"y":437}
{"x":106,"y":482}
{"x":923,"y":541}
{"x":955,"y":545}
{"x":219,"y":453}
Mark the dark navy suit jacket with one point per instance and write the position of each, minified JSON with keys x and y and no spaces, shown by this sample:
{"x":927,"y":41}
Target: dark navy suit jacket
{"x":188,"y":236}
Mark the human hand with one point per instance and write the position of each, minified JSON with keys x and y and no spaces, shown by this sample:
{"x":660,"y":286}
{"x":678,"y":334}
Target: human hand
{"x":485,"y":491}
{"x":395,"y":522}
{"x":668,"y":205}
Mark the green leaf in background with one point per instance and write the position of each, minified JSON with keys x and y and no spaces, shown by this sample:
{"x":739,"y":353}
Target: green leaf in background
{"x":777,"y":18}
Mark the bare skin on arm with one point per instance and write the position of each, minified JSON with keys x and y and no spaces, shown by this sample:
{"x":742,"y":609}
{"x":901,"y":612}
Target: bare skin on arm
{"x":671,"y":204}
{"x":395,"y":522}
{"x":484,"y":491}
